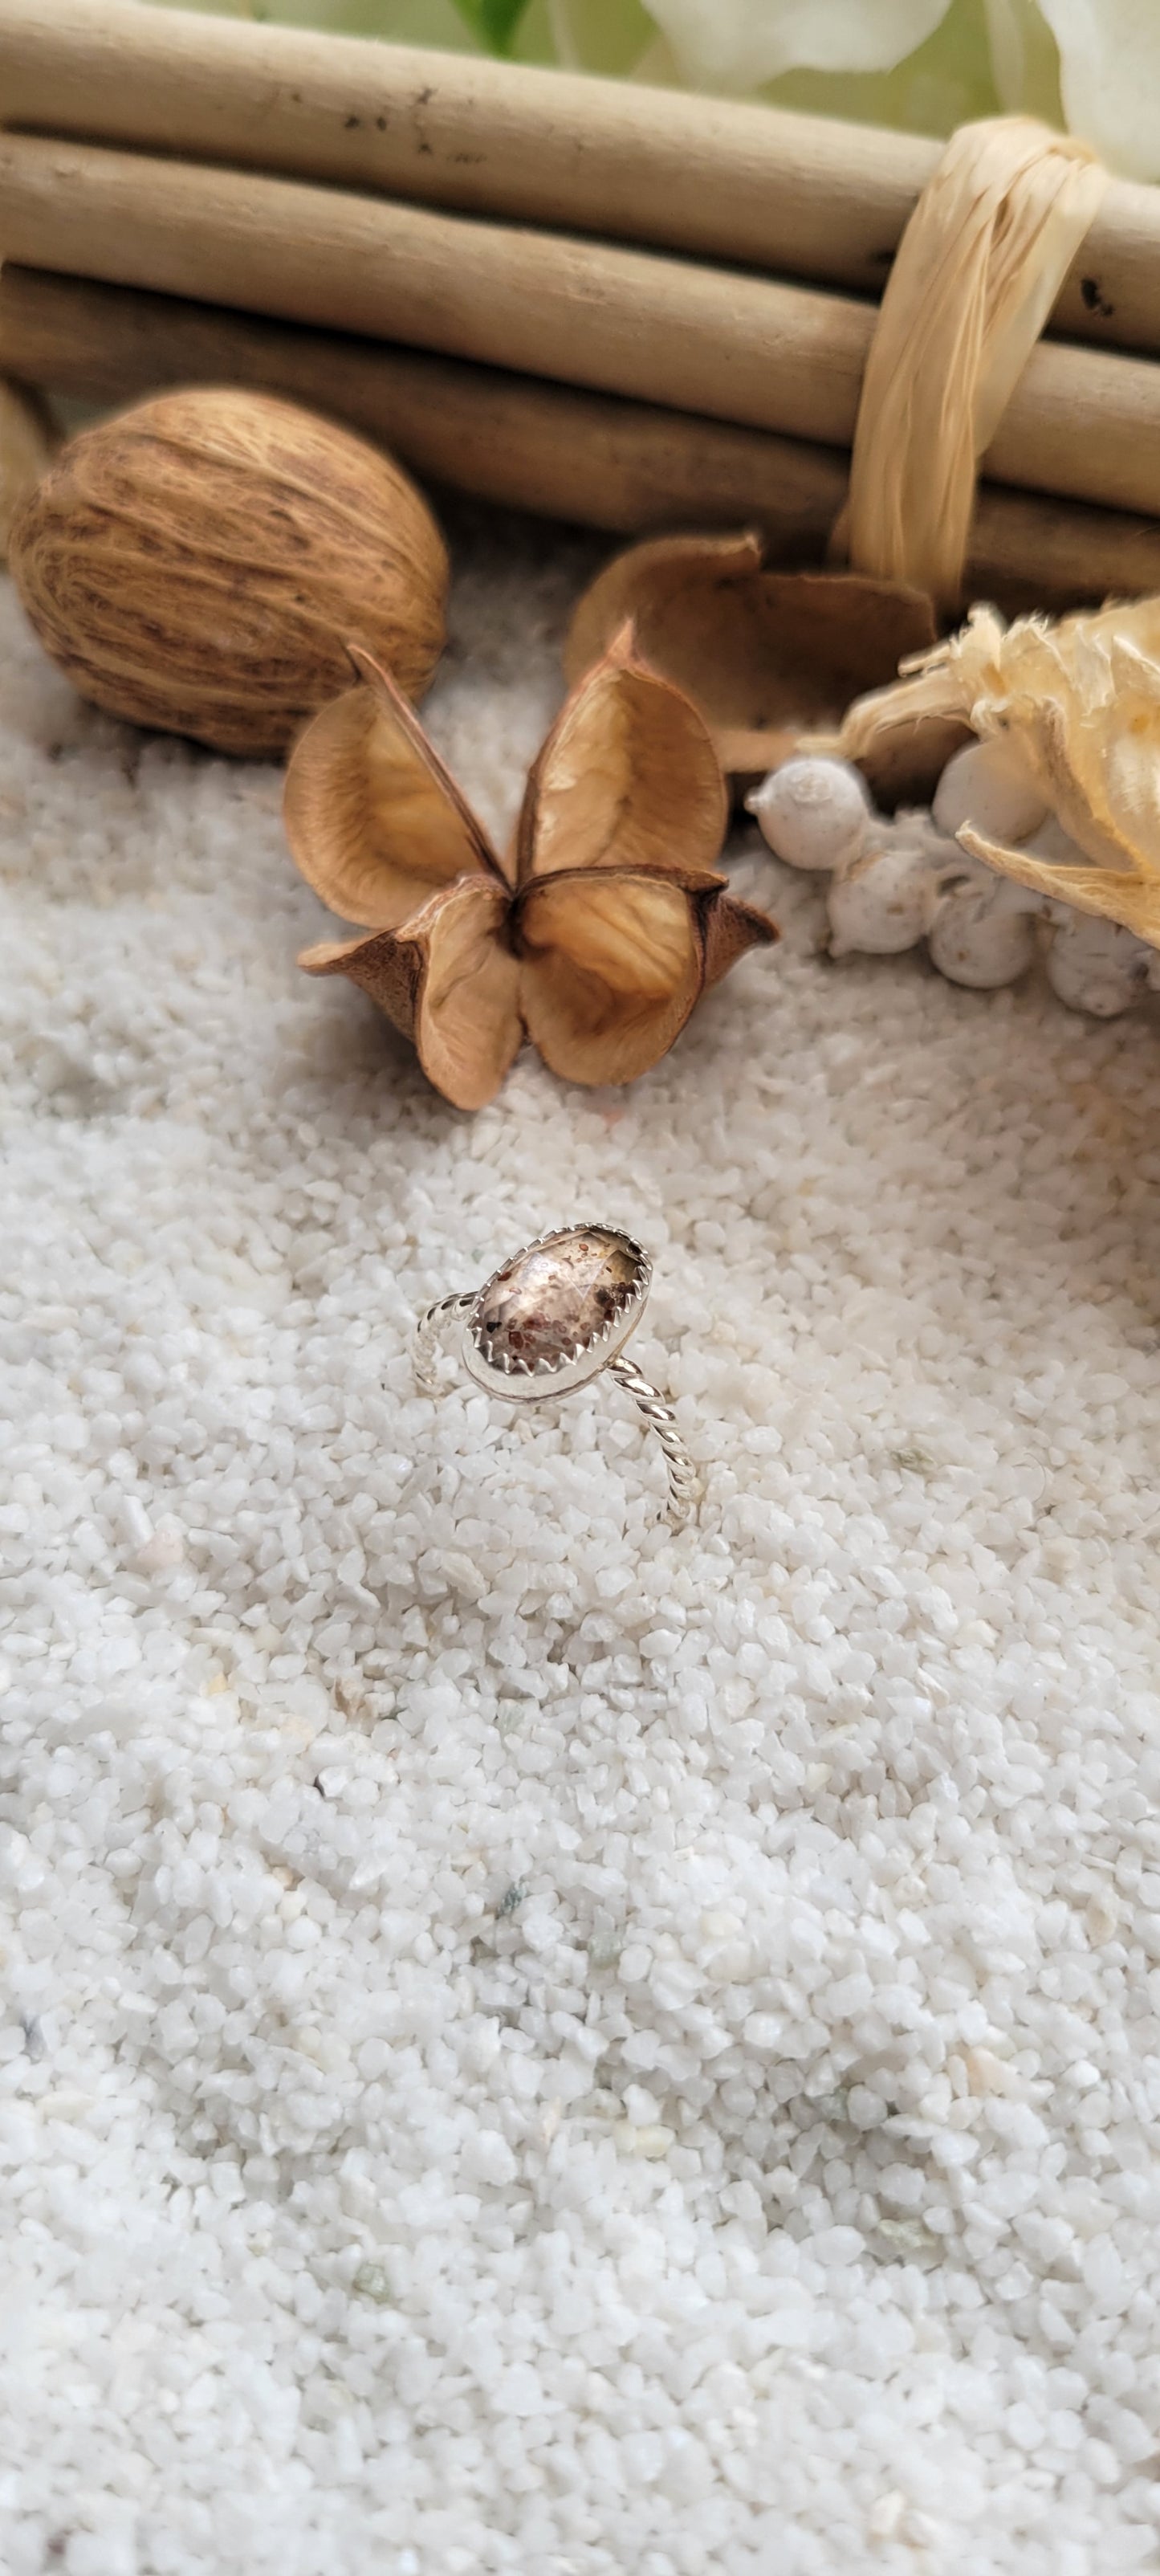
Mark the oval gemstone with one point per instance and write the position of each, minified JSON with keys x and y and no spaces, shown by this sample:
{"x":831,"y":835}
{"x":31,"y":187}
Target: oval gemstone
{"x":552,"y":1302}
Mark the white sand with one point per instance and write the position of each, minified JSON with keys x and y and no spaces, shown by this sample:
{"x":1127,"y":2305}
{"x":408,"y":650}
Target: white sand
{"x":530,"y":2043}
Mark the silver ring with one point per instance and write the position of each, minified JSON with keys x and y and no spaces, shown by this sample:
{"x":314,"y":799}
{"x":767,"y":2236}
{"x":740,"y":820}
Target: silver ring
{"x":550,"y":1319}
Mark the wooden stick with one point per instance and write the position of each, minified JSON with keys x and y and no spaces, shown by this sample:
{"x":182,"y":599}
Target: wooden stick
{"x":754,"y":185}
{"x":625,"y":467}
{"x":1081,"y":423}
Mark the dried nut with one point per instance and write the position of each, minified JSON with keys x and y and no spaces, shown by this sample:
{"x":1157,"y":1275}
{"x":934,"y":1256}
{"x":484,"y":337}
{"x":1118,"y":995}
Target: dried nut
{"x":813,"y":813}
{"x":27,"y":442}
{"x":199,"y":563}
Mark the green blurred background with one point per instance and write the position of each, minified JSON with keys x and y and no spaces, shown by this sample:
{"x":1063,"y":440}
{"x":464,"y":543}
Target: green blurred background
{"x":983,"y":56}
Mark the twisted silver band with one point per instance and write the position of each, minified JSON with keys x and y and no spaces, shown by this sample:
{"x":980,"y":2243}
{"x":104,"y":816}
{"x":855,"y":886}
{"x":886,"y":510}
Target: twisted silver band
{"x":661,"y":1418}
{"x":427,"y":1335}
{"x":532,"y":1332}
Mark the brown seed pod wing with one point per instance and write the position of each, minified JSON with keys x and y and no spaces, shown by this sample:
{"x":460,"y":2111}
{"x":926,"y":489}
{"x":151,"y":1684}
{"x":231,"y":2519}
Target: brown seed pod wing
{"x":448,"y":979}
{"x":373,"y":818}
{"x":643,"y":583}
{"x":468,"y":1028}
{"x":728,"y":929}
{"x":611,"y":966}
{"x":628,"y":778}
{"x":762,"y":654}
{"x":385,"y":967}
{"x":808,"y":643}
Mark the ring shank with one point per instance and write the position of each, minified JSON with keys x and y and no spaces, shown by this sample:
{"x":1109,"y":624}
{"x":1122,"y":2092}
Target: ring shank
{"x":683,"y":1478}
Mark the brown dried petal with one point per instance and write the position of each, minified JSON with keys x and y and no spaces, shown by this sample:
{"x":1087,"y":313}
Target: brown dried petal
{"x":373,"y":818}
{"x":386,"y":967}
{"x":612,"y":966}
{"x":448,"y":979}
{"x":763,"y":654}
{"x":628,"y":778}
{"x":646,"y":584}
{"x":728,"y":929}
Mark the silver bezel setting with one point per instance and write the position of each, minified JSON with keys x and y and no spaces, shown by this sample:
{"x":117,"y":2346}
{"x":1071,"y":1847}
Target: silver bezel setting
{"x":524,"y":1382}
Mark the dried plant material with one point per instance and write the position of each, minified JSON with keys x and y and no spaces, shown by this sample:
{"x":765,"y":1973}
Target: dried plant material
{"x":764,"y":655}
{"x":1079,"y":704}
{"x":374,"y":819}
{"x":28,"y":442}
{"x":978,"y":269}
{"x":595,"y":942}
{"x":198,"y":563}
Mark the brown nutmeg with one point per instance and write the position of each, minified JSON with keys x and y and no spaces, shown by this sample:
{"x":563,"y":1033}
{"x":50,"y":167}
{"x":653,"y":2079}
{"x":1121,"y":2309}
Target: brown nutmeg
{"x":199,"y":563}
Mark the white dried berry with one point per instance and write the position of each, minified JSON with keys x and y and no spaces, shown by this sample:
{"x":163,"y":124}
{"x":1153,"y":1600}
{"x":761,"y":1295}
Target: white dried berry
{"x":979,"y":935}
{"x":879,"y":901}
{"x":990,"y":786}
{"x":1095,"y":965}
{"x":813,"y":813}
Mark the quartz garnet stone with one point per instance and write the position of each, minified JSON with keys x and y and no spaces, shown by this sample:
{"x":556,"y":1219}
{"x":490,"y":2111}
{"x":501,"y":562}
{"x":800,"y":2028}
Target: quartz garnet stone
{"x":558,"y":1300}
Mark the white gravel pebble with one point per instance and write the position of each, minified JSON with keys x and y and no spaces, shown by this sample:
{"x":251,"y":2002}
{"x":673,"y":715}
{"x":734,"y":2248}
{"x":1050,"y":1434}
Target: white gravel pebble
{"x":561,"y":2049}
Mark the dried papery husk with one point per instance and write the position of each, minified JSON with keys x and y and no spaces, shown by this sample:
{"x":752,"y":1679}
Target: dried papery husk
{"x":616,"y":919}
{"x":627,"y":793}
{"x":613,"y":967}
{"x":1080,"y":702}
{"x":373,"y":816}
{"x":199,"y":562}
{"x":628,"y":772}
{"x":449,"y":981}
{"x":29,"y":439}
{"x":763,"y":655}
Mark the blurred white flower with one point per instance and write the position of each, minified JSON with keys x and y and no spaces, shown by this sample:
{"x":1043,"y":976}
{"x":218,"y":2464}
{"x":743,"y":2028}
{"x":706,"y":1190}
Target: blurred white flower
{"x":737,"y":44}
{"x":1110,"y":78}
{"x":1024,"y":61}
{"x":1107,"y":66}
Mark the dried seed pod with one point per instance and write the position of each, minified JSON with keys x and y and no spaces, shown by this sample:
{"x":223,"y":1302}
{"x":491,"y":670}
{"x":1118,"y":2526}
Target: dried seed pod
{"x":764,"y":655}
{"x":594,"y":938}
{"x":199,"y":562}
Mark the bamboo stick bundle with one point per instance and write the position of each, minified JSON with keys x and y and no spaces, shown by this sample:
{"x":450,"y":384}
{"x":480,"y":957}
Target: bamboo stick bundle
{"x":1083,"y":424}
{"x":622,"y":466}
{"x":800,"y":195}
{"x":670,"y":384}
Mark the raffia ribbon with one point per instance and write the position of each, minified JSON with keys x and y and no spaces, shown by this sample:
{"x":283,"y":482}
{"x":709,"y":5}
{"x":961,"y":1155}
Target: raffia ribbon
{"x":979,"y":267}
